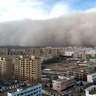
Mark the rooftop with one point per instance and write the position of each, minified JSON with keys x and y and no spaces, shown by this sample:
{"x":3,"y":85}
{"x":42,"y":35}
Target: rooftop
{"x":90,"y":88}
{"x":15,"y":88}
{"x":92,"y":73}
{"x":64,"y":80}
{"x":23,"y":87}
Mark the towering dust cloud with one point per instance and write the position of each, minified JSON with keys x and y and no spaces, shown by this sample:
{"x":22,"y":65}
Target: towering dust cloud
{"x":76,"y":29}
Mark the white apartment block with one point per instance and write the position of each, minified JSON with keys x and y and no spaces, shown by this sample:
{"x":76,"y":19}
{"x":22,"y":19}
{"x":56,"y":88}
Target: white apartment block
{"x":90,"y":91}
{"x":91,"y":78}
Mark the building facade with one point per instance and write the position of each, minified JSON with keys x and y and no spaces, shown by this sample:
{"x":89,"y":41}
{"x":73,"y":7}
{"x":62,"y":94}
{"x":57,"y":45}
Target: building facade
{"x":91,"y":78}
{"x":27,"y":69}
{"x":35,"y":90}
{"x":62,"y":84}
{"x":6,"y":68}
{"x":90,"y":91}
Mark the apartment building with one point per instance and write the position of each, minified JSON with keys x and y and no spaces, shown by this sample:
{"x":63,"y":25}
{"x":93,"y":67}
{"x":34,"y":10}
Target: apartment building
{"x":49,"y":51}
{"x":6,"y":68}
{"x":29,"y":90}
{"x":27,"y":69}
{"x":35,"y":51}
{"x":79,"y":73}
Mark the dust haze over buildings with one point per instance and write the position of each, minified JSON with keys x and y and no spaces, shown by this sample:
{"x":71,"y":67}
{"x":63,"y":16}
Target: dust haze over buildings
{"x":76,"y":29}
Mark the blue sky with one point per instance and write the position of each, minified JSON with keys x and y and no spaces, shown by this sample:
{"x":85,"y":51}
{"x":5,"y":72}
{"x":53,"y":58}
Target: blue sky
{"x":42,"y":9}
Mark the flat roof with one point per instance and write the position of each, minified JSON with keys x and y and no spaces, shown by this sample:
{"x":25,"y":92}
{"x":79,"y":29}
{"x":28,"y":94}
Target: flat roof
{"x":91,"y":87}
{"x":23,"y":87}
{"x":92,"y":73}
{"x":63,"y":80}
{"x":20,"y":88}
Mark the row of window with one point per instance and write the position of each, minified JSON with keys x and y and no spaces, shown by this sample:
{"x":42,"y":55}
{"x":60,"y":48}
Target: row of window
{"x":30,"y":93}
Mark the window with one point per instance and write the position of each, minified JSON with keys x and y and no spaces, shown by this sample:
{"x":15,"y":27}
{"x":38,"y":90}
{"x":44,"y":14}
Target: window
{"x":34,"y":92}
{"x":25,"y":92}
{"x":31,"y":90}
{"x":31,"y":94}
{"x":21,"y":93}
{"x":39,"y":94}
{"x":28,"y":91}
{"x":39,"y":87}
{"x":34,"y":89}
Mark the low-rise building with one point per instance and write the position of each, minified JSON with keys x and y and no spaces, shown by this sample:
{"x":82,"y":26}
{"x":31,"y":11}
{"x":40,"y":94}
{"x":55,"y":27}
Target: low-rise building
{"x":91,"y":91}
{"x":29,"y":90}
{"x":91,"y":78}
{"x":62,"y":84}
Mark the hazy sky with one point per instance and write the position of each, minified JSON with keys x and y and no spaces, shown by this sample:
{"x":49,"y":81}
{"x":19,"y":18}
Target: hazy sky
{"x":42,"y":9}
{"x":75,"y":25}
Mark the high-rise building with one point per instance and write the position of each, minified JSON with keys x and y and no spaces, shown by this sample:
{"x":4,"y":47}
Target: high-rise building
{"x":27,"y":69}
{"x":6,"y":68}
